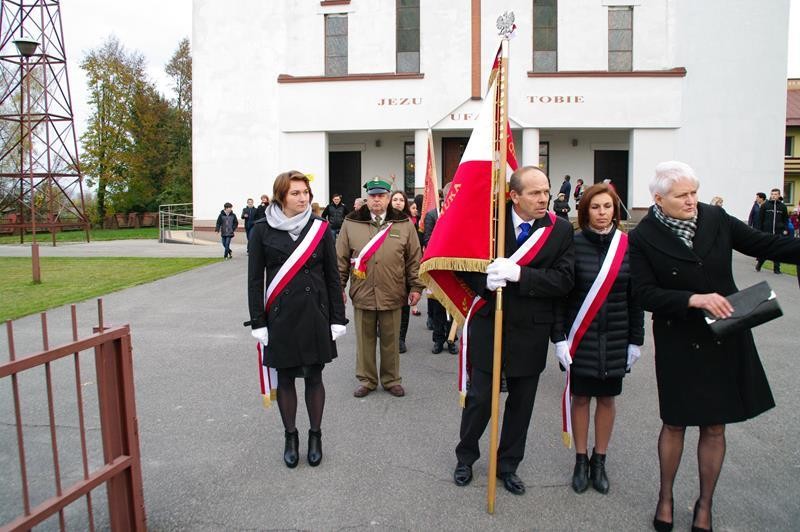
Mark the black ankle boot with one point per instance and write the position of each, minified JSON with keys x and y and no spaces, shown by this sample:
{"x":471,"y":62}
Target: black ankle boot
{"x":290,"y":452}
{"x":597,"y":466}
{"x":580,"y":476}
{"x":314,"y":447}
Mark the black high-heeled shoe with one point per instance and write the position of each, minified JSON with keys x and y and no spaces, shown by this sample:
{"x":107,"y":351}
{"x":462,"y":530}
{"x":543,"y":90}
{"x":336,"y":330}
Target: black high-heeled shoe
{"x":314,"y":448}
{"x":291,"y":454}
{"x":694,"y":516}
{"x":663,"y":526}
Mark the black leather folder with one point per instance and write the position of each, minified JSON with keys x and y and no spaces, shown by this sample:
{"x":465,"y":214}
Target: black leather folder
{"x":751,"y":307}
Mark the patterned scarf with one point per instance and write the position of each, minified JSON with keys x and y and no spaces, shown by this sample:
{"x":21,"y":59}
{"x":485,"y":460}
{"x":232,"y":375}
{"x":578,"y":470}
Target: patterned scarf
{"x":683,"y":229}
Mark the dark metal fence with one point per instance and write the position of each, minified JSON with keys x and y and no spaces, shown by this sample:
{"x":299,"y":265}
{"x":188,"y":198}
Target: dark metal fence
{"x":120,"y":468}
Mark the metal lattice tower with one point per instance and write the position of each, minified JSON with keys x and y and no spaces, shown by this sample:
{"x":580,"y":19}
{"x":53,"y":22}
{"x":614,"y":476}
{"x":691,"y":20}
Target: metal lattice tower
{"x":57,"y":181}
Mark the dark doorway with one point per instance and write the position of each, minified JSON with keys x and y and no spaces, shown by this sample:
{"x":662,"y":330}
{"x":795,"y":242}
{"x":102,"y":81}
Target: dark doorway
{"x":344,"y":168}
{"x":613,"y":165}
{"x":452,"y":150}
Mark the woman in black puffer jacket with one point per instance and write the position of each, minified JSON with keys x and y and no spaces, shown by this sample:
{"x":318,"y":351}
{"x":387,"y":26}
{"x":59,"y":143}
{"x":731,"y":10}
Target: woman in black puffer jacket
{"x":610,"y":344}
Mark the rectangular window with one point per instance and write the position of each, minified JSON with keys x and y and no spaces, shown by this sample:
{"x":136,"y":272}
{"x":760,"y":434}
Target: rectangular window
{"x":545,"y":36}
{"x":620,"y":39}
{"x":407,"y":36}
{"x":544,"y":157}
{"x":336,"y":45}
{"x":788,"y":192}
{"x":408,"y":168}
{"x":789,"y":147}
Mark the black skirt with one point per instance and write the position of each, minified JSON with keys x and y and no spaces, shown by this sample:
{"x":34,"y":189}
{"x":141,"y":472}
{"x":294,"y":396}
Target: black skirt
{"x":303,"y":372}
{"x":593,"y":387}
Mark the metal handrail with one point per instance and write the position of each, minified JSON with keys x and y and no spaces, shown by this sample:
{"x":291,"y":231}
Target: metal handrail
{"x":175,"y":217}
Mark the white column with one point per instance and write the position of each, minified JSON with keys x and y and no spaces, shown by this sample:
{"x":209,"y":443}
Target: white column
{"x":308,"y":153}
{"x":420,"y":157}
{"x":648,"y":147}
{"x":530,"y":147}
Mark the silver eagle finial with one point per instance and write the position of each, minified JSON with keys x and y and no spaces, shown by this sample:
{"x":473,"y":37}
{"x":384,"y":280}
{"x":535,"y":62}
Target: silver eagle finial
{"x":505,"y":24}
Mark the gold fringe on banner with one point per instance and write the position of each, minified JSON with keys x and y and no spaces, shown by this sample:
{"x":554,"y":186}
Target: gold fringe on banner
{"x":454,"y":264}
{"x":359,"y":274}
{"x":462,"y":400}
{"x":457,"y":309}
{"x":265,"y":399}
{"x":567,"y":439}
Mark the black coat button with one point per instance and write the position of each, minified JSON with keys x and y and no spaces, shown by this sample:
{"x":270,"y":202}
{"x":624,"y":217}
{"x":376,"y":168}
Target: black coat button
{"x":308,"y":289}
{"x":305,"y":271}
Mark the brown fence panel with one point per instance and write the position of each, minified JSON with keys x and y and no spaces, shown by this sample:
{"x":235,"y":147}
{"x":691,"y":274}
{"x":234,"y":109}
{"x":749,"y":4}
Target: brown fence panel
{"x":121,"y":471}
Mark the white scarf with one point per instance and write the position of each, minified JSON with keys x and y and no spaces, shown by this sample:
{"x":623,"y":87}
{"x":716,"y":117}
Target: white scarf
{"x":294,"y":225}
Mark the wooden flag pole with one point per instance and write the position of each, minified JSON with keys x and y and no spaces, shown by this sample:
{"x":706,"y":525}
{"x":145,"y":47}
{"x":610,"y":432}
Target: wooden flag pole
{"x":501,"y":145}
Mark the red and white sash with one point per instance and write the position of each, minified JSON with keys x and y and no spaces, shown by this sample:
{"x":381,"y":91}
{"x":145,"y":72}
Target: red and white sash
{"x":359,"y":262}
{"x":522,"y":256}
{"x":269,"y":376}
{"x":597,"y":295}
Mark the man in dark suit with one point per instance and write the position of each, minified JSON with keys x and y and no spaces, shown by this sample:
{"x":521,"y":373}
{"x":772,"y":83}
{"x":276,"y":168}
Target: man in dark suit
{"x":532,"y":296}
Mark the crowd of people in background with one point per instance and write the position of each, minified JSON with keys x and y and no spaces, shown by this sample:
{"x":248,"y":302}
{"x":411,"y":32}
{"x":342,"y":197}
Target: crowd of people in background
{"x":767,"y":214}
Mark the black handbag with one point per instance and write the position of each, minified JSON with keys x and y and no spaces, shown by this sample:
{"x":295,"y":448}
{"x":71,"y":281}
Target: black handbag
{"x":751,"y":307}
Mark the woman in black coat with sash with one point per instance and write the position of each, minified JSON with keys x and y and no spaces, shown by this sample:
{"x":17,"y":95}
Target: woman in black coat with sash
{"x":610,"y":345}
{"x":681,"y":257}
{"x":306,"y":316}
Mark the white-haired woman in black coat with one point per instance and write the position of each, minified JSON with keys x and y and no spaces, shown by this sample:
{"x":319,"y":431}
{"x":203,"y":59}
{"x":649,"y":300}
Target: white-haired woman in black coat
{"x":681,"y":259}
{"x":609,"y":339}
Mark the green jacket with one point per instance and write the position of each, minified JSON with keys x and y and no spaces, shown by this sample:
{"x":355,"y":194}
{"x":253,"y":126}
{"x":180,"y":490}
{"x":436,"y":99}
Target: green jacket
{"x":392,"y":272}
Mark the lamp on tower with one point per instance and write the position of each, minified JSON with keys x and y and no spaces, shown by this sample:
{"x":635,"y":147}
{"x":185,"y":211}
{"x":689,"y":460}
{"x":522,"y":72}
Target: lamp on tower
{"x":26,"y":48}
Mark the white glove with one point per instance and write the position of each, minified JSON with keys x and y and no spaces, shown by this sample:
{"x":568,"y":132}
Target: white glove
{"x":494,"y":281}
{"x":505,"y":268}
{"x":261,"y":335}
{"x":337,"y":331}
{"x":633,"y":355}
{"x":562,"y":353}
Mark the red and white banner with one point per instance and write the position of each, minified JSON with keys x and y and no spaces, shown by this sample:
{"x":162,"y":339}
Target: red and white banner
{"x":522,"y":256}
{"x":359,"y":262}
{"x":597,"y":295}
{"x":268,"y":377}
{"x":462,"y":239}
{"x":430,"y":196}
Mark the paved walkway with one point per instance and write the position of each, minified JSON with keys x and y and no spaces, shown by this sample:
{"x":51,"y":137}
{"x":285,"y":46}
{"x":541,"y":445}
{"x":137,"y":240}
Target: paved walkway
{"x":212,"y":454}
{"x":121,"y":248}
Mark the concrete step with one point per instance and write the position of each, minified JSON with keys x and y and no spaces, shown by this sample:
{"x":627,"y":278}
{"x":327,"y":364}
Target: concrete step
{"x":175,"y":236}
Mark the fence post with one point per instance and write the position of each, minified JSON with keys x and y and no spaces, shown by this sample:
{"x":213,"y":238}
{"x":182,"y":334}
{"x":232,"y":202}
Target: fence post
{"x":119,"y":432}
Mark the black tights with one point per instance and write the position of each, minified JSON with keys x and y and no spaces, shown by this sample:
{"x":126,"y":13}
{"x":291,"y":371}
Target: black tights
{"x":287,"y":400}
{"x":710,"y":455}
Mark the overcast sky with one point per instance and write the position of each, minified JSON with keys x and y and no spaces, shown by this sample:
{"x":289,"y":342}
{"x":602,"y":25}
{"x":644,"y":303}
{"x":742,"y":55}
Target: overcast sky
{"x":151,"y":27}
{"x":155,"y":27}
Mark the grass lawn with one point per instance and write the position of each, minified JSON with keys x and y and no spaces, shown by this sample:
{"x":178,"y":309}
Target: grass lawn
{"x":789,"y":269}
{"x":69,"y":280}
{"x":80,"y":236}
